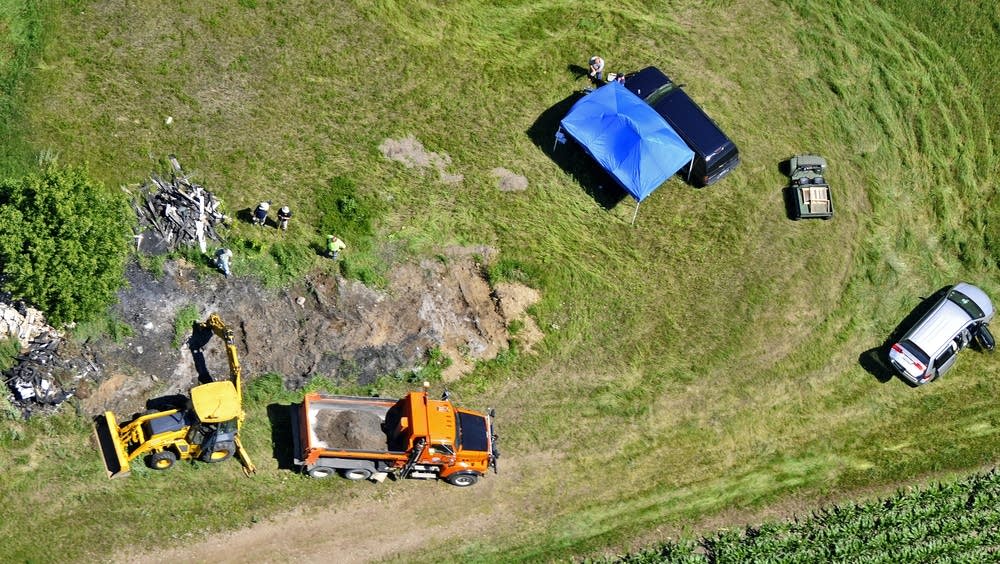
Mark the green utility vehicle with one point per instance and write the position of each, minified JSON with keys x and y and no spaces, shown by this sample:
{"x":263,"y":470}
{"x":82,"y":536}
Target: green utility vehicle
{"x":810,"y":193}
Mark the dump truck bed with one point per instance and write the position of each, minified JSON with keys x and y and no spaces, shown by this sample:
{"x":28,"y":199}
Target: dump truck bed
{"x":343,"y":427}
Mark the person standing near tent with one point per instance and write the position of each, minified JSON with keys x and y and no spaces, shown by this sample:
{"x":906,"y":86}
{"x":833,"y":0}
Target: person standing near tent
{"x":597,"y":68}
{"x":333,"y":246}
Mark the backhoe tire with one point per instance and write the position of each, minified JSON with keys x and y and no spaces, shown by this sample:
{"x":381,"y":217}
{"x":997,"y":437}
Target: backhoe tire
{"x":462,"y":480}
{"x":162,"y":460}
{"x":321,"y":472}
{"x":356,"y":474}
{"x":222,"y":451}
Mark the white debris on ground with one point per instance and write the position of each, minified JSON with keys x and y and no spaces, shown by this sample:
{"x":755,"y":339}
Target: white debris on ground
{"x":40,"y":380}
{"x":22,"y":323}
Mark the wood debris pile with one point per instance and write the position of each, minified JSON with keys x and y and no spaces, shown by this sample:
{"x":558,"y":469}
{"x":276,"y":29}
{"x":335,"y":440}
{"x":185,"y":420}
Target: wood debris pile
{"x":175,"y":212}
{"x":42,"y":380}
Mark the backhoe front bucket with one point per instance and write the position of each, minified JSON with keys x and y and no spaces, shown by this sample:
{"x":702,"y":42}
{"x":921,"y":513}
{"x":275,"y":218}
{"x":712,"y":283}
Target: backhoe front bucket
{"x":108,"y":437}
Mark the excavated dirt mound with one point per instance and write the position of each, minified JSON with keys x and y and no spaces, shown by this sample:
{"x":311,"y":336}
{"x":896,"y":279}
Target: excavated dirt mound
{"x":356,"y":430}
{"x":326,"y":326}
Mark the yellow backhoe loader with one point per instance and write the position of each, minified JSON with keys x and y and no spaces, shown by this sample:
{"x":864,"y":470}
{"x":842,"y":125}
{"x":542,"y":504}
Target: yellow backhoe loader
{"x":208,"y":429}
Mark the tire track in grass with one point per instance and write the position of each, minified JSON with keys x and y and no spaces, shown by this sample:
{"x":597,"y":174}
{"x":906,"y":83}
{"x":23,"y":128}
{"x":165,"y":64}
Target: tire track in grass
{"x":913,"y":117}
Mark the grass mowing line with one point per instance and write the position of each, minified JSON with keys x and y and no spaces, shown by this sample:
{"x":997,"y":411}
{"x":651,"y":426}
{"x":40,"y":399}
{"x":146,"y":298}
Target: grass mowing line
{"x":902,"y":131}
{"x":916,"y":172}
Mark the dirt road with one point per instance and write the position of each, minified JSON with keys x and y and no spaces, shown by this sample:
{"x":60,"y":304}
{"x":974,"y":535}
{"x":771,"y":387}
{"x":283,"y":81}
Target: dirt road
{"x":383,"y":521}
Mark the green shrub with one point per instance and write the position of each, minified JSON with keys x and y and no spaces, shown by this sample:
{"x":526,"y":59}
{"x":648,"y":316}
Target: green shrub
{"x":9,"y":348}
{"x":153,"y":264}
{"x":64,"y":242}
{"x":320,"y":383}
{"x":293,"y":259}
{"x":362,"y":268}
{"x":437,"y":362}
{"x":509,"y":270}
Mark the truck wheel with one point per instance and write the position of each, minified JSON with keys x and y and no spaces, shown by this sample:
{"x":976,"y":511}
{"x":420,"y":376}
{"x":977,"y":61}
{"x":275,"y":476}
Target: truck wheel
{"x":462,"y":480}
{"x":356,"y":473}
{"x":161,"y":460}
{"x":221,"y":451}
{"x":321,"y":472}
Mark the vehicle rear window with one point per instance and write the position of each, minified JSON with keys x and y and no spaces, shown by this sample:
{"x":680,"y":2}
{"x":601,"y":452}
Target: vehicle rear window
{"x":660,"y":92}
{"x":917,"y":353}
{"x":966,"y":303}
{"x":472,"y":432}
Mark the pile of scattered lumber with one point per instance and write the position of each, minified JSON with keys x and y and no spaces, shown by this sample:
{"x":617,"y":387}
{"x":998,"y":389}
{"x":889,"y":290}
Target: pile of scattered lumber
{"x":174,"y":212}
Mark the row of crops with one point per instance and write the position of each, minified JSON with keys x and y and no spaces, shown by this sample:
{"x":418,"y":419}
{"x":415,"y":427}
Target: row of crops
{"x":957,"y":521}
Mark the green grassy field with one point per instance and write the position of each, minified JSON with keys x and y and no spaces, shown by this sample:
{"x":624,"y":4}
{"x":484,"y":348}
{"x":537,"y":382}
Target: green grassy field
{"x":703,"y":367}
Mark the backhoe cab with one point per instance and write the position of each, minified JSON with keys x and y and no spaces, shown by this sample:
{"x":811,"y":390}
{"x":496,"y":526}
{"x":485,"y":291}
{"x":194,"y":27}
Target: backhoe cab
{"x":206,"y":429}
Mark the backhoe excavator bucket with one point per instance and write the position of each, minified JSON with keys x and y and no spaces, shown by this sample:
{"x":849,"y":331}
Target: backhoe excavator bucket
{"x":108,"y":437}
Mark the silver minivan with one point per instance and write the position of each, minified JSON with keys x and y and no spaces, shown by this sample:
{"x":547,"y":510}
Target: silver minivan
{"x":931,"y":346}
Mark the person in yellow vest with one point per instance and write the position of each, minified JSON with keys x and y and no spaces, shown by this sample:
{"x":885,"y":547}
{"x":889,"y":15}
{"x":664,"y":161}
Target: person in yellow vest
{"x":333,"y":246}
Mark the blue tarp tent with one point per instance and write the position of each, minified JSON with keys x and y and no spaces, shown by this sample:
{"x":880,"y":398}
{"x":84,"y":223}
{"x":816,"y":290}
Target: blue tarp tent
{"x":628,"y":138}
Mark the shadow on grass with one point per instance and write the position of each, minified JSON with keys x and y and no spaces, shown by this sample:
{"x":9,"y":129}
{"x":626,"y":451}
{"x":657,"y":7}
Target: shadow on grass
{"x":200,"y":336}
{"x":245,"y":215}
{"x":570,"y":157}
{"x":577,"y":71}
{"x":875,"y":361}
{"x":785,"y":167}
{"x":282,"y":445}
{"x":791,"y":203}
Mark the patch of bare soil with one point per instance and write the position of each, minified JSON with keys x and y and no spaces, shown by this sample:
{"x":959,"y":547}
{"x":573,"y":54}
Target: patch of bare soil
{"x":356,"y":430}
{"x":349,"y":332}
{"x":324,"y":326}
{"x":514,"y":300}
{"x":508,"y":181}
{"x":411,"y":152}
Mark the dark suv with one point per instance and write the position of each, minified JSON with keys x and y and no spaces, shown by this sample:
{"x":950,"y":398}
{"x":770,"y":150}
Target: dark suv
{"x":715,"y":155}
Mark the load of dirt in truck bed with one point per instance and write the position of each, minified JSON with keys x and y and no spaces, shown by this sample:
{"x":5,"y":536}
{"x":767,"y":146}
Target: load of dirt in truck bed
{"x":356,"y":430}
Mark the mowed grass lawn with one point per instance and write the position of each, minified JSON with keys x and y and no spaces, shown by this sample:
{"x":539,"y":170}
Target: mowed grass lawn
{"x":711,"y":364}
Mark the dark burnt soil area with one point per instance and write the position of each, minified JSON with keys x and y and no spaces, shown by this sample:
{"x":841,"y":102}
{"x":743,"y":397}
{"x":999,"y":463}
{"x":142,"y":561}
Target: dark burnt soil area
{"x":324,"y":325}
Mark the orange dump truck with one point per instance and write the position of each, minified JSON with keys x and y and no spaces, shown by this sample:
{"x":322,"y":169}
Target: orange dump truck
{"x":413,"y":437}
